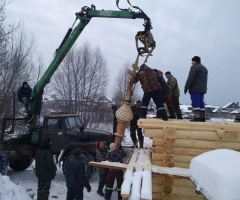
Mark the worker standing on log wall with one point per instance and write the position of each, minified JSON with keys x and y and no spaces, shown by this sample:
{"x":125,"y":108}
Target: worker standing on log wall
{"x":152,"y":89}
{"x":196,"y":84}
{"x":133,"y":124}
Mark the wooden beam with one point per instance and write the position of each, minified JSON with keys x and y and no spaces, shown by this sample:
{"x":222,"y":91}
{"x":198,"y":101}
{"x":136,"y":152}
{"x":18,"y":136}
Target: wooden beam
{"x":109,"y":165}
{"x":174,"y":171}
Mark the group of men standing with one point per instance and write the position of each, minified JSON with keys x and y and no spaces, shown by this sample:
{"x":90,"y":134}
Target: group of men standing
{"x":154,"y":86}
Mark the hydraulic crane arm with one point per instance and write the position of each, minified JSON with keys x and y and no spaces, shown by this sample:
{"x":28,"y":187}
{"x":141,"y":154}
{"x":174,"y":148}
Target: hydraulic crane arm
{"x":84,"y":16}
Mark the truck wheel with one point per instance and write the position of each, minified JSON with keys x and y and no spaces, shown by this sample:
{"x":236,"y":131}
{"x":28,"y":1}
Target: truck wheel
{"x":87,"y":157}
{"x":20,"y":165}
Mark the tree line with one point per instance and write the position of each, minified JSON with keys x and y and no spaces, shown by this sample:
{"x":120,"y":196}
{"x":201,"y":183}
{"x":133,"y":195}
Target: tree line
{"x":78,"y":84}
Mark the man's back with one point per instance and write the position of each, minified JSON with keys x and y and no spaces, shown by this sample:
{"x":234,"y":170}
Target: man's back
{"x":75,"y":173}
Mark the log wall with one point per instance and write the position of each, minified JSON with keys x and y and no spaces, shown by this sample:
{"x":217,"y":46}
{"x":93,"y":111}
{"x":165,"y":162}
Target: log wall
{"x":176,"y":142}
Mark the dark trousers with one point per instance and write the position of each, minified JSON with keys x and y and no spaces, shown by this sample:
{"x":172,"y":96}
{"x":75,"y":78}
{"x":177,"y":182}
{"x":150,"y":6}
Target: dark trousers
{"x":167,"y":99}
{"x":112,"y":174}
{"x":75,"y":194}
{"x":43,"y":190}
{"x":197,"y":101}
{"x":102,"y":181}
{"x":133,"y":129}
{"x":156,"y":95}
{"x":175,"y":102}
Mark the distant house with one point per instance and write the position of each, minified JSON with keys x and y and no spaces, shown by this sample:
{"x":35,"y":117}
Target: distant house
{"x":231,"y":107}
{"x":235,"y":113}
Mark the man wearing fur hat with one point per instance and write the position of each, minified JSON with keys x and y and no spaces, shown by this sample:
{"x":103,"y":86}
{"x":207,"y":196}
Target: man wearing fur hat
{"x":24,"y":94}
{"x":114,"y":155}
{"x":196,"y":85}
{"x":101,"y":152}
{"x":45,"y":168}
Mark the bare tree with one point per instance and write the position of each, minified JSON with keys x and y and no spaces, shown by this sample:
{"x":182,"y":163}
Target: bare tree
{"x":80,"y":81}
{"x":120,"y":85}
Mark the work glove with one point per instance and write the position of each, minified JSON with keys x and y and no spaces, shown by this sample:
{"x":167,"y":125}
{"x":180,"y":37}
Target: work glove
{"x":89,"y":188}
{"x":185,"y":91}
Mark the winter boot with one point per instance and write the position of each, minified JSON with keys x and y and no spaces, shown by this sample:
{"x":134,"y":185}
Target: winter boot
{"x":162,"y":114}
{"x":119,"y":195}
{"x":179,"y":116}
{"x":134,"y":140}
{"x":172,"y":115}
{"x":141,"y":144}
{"x":108,"y":194}
{"x":202,"y":116}
{"x":196,"y":116}
{"x":99,"y":191}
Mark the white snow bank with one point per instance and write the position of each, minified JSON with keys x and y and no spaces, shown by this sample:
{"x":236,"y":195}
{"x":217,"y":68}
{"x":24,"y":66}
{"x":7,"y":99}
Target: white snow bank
{"x":217,"y":174}
{"x":146,"y":192}
{"x":136,"y":186}
{"x":11,"y":191}
{"x":126,"y":186}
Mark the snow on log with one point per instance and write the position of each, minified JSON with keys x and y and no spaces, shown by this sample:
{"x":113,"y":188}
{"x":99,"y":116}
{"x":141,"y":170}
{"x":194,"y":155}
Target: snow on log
{"x":174,"y":171}
{"x":110,"y":165}
{"x":216,"y":174}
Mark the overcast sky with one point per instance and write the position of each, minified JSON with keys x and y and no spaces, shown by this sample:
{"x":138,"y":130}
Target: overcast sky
{"x":182,"y":29}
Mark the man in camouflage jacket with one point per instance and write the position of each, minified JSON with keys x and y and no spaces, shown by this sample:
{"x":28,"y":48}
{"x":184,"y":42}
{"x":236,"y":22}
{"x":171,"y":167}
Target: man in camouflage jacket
{"x":133,"y":124}
{"x":173,"y":84}
{"x":152,"y":89}
{"x":101,"y":152}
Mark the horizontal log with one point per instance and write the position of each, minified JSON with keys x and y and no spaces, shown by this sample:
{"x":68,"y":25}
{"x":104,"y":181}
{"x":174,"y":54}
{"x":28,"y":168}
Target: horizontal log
{"x":175,"y":171}
{"x":157,"y":195}
{"x":202,"y":144}
{"x":154,"y":133}
{"x":169,"y":142}
{"x":169,"y":132}
{"x":183,"y":182}
{"x":182,"y":158}
{"x":157,"y":187}
{"x":109,"y":165}
{"x":218,"y":135}
{"x":182,"y":165}
{"x":158,"y":149}
{"x":175,"y":158}
{"x":158,"y":163}
{"x":183,"y":197}
{"x":157,"y":142}
{"x":188,"y":151}
{"x":157,"y":178}
{"x":187,"y":191}
{"x":180,"y":124}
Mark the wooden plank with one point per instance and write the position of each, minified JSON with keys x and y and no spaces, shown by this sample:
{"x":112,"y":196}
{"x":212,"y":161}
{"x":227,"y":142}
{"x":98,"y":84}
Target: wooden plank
{"x":156,"y":133}
{"x":106,"y":164}
{"x":179,"y":172}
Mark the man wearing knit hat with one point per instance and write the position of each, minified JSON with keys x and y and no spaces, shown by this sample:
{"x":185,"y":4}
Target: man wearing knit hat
{"x":101,"y":152}
{"x":196,"y":85}
{"x":114,"y":155}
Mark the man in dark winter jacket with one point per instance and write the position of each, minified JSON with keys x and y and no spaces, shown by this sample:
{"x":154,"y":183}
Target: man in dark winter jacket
{"x":114,"y":155}
{"x":152,"y":89}
{"x":196,"y":84}
{"x":101,"y":152}
{"x":166,"y":94}
{"x":24,"y":94}
{"x":75,"y":176}
{"x":133,"y":124}
{"x":45,"y":169}
{"x":173,"y":84}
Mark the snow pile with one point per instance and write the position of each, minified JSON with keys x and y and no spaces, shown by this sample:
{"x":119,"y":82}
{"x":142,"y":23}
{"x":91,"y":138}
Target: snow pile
{"x":126,"y":186}
{"x":10,"y":191}
{"x":217,"y":174}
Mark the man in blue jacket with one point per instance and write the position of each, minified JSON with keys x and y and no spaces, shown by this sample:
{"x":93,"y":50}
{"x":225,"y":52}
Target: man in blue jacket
{"x":196,"y":84}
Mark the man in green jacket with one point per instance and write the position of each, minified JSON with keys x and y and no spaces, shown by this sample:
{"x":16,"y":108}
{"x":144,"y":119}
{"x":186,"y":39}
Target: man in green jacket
{"x":101,"y":152}
{"x":45,"y":168}
{"x":173,"y":84}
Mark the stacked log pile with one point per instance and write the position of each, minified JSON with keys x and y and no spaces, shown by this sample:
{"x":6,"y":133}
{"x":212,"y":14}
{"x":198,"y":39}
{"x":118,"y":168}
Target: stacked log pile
{"x":176,"y":142}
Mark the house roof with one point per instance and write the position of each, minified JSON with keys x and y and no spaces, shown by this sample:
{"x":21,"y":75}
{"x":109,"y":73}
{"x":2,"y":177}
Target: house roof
{"x":229,"y":104}
{"x":235,"y":111}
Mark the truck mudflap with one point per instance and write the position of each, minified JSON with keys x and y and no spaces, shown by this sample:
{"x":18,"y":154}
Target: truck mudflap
{"x":3,"y":162}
